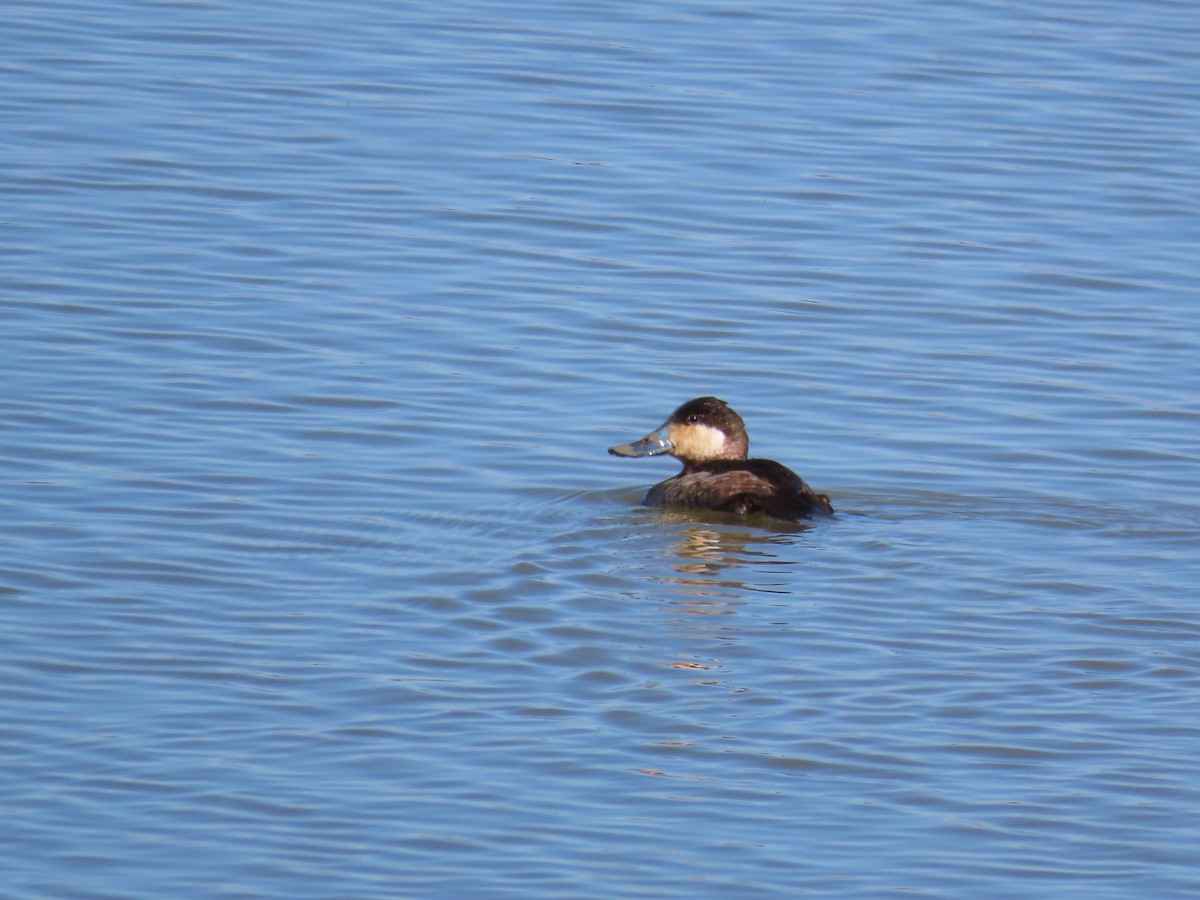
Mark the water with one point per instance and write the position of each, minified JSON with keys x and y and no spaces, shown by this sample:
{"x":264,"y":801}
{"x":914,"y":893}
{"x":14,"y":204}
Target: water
{"x":317,"y":580}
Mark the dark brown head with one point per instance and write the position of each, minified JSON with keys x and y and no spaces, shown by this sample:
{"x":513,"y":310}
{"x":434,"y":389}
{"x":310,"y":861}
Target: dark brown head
{"x":702,"y":430}
{"x":705,"y":429}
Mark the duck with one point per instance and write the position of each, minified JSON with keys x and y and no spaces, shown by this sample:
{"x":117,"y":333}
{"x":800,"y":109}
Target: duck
{"x":710,"y":439}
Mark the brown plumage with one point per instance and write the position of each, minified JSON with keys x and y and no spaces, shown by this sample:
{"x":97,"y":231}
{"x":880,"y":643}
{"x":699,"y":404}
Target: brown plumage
{"x":710,"y":439}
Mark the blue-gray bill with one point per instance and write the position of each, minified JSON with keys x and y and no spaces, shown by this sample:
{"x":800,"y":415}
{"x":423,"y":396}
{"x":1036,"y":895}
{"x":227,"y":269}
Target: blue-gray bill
{"x":651,"y":445}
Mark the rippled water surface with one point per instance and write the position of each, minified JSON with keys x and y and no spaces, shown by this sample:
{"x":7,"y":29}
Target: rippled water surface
{"x":316,"y":580}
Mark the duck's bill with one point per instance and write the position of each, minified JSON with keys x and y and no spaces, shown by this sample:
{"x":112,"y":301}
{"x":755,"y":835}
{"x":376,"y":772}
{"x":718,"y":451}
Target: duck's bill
{"x":651,"y":445}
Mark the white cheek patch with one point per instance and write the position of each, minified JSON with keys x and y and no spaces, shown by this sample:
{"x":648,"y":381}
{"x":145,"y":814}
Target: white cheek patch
{"x":698,"y":442}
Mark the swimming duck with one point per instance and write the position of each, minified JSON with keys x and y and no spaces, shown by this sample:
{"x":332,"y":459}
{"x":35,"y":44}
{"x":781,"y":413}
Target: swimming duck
{"x":710,"y":440}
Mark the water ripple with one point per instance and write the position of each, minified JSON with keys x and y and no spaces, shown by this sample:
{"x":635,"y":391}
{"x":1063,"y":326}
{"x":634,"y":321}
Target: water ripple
{"x":318,"y":581}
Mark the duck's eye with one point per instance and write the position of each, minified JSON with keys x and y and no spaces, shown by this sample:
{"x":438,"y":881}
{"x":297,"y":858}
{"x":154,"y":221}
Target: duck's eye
{"x":693,"y":419}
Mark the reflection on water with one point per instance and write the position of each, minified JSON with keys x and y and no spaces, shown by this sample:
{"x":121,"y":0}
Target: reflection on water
{"x":709,"y":551}
{"x":721,"y":569}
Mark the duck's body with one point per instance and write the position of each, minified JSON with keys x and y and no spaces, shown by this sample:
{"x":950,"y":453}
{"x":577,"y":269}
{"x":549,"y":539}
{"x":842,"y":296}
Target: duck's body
{"x":710,"y":440}
{"x":740,"y":486}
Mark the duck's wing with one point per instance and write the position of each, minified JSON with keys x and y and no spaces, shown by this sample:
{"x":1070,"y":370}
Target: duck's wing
{"x":742,"y":486}
{"x":793,"y":497}
{"x":705,"y":489}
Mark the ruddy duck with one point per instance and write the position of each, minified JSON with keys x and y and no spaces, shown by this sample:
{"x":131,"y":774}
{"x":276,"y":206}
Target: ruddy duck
{"x":710,"y":440}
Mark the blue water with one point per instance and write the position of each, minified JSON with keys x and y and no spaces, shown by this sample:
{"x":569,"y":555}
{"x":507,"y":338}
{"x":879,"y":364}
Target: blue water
{"x":316,"y":580}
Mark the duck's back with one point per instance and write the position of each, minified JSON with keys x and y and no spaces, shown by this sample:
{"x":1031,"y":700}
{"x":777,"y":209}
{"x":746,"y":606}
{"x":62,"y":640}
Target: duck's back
{"x":741,"y":486}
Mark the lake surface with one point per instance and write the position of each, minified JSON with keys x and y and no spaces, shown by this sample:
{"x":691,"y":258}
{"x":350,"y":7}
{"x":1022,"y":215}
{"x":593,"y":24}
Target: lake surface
{"x":316,"y":579}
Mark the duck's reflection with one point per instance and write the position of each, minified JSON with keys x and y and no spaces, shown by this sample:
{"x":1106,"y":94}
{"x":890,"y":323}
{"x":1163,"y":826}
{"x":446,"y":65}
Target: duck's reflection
{"x":712,"y":595}
{"x":709,"y":562}
{"x":709,"y":550}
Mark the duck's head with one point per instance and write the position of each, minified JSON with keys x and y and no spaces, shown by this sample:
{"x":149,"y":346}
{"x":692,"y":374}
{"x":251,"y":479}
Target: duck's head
{"x":700,"y":431}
